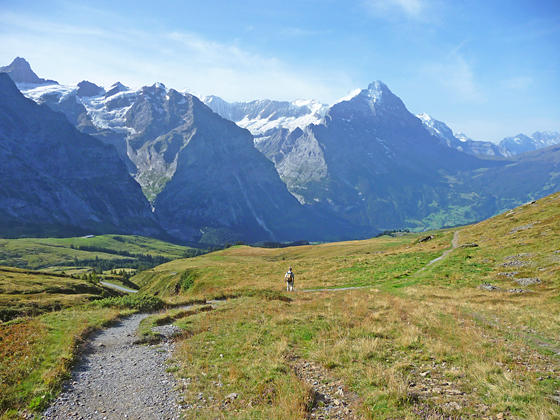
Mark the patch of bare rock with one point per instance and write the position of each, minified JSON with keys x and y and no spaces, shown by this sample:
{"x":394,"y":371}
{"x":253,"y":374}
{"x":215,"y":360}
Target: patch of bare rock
{"x":330,"y":397}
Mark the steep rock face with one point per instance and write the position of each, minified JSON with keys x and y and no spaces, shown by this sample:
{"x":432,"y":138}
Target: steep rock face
{"x":384,"y":170}
{"x":20,"y":71}
{"x":363,"y":165}
{"x":55,"y":180}
{"x":223,"y":186}
{"x":202,"y":173}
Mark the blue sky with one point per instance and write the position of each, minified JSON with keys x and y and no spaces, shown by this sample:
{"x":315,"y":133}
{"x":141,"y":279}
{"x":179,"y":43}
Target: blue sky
{"x":487,"y":68}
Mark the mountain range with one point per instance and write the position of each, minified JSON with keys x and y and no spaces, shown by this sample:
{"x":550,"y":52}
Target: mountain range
{"x":265,"y":118}
{"x":56,"y":180}
{"x":215,"y":171}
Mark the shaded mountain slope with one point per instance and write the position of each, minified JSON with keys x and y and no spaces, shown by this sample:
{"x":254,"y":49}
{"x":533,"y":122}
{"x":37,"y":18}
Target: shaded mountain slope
{"x":55,"y":180}
{"x":223,"y":186}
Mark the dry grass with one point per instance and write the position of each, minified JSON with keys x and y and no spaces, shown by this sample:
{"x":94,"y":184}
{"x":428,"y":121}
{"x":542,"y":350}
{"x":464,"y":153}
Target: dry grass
{"x":416,"y":344}
{"x":37,"y":354}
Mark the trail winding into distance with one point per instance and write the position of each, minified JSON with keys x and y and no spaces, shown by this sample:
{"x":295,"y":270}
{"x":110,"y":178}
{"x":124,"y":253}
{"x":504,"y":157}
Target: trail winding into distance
{"x":454,"y":244}
{"x":117,"y":379}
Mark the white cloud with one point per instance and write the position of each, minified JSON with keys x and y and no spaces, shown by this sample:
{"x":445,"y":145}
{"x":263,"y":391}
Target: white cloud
{"x":182,"y":60}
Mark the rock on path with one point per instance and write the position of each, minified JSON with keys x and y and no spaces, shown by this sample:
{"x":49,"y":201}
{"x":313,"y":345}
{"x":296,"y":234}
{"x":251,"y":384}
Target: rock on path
{"x":116,"y":379}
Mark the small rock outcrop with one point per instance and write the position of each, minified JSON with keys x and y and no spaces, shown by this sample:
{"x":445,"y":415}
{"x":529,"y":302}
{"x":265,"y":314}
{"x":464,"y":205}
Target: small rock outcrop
{"x":528,"y":281}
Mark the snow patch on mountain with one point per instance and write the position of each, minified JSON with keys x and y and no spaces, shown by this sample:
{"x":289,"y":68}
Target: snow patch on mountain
{"x":263,"y":117}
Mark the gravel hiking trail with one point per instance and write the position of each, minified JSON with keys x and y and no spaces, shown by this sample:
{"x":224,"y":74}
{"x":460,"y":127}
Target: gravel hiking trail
{"x":117,"y":379}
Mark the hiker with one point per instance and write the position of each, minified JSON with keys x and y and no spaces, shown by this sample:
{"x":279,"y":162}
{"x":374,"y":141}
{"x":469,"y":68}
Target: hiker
{"x":289,"y":277}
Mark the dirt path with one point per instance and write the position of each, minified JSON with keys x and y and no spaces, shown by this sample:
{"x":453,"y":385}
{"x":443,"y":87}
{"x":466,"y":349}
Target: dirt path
{"x":117,"y":287}
{"x":454,"y":244}
{"x":117,"y":379}
{"x":334,"y":289}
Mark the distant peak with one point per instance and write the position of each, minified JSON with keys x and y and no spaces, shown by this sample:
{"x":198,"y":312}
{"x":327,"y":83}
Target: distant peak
{"x":118,"y":85}
{"x":377,"y":90}
{"x":374,"y":93}
{"x":20,"y":62}
{"x":20,"y":72}
{"x":116,"y":88}
{"x":378,"y":86}
{"x":87,"y":88}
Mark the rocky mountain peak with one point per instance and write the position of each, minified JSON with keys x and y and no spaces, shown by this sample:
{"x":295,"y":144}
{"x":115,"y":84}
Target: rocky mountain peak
{"x":115,"y":88}
{"x":155,"y":89}
{"x":86,"y":89}
{"x":20,"y":71}
{"x":377,"y":90}
{"x":376,"y":100}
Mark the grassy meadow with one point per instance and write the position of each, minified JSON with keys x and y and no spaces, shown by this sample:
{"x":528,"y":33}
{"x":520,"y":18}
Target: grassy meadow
{"x":413,"y":343}
{"x":473,"y":335}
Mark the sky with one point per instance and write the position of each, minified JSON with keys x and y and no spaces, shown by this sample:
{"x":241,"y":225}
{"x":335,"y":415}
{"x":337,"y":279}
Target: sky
{"x":489,"y":69}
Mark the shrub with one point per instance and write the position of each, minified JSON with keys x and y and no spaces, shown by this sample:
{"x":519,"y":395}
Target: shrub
{"x":187,"y":280}
{"x":140,"y":302}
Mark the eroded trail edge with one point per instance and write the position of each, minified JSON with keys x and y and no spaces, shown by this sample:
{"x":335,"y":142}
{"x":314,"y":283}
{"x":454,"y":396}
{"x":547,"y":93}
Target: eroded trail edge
{"x":117,"y":379}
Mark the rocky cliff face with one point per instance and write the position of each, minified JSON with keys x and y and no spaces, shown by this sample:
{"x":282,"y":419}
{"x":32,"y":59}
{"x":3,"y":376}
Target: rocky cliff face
{"x":363,"y":165}
{"x":223,"y":186}
{"x":55,"y":180}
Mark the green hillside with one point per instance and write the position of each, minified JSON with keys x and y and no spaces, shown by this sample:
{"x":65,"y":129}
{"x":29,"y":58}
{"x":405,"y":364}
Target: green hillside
{"x":28,"y":293}
{"x":115,"y":250}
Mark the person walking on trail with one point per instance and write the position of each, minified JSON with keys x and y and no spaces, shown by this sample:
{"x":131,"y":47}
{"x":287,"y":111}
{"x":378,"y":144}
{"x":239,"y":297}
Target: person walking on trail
{"x":289,"y":277}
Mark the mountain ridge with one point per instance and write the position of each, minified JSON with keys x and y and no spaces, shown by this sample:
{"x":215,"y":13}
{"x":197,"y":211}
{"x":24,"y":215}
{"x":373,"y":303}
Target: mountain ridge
{"x":362,"y":165}
{"x":20,"y":71}
{"x":55,"y":178}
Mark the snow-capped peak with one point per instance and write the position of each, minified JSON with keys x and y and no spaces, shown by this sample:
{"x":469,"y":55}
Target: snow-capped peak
{"x":350,"y":96}
{"x":462,"y":137}
{"x":115,"y":88}
{"x":376,"y":90}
